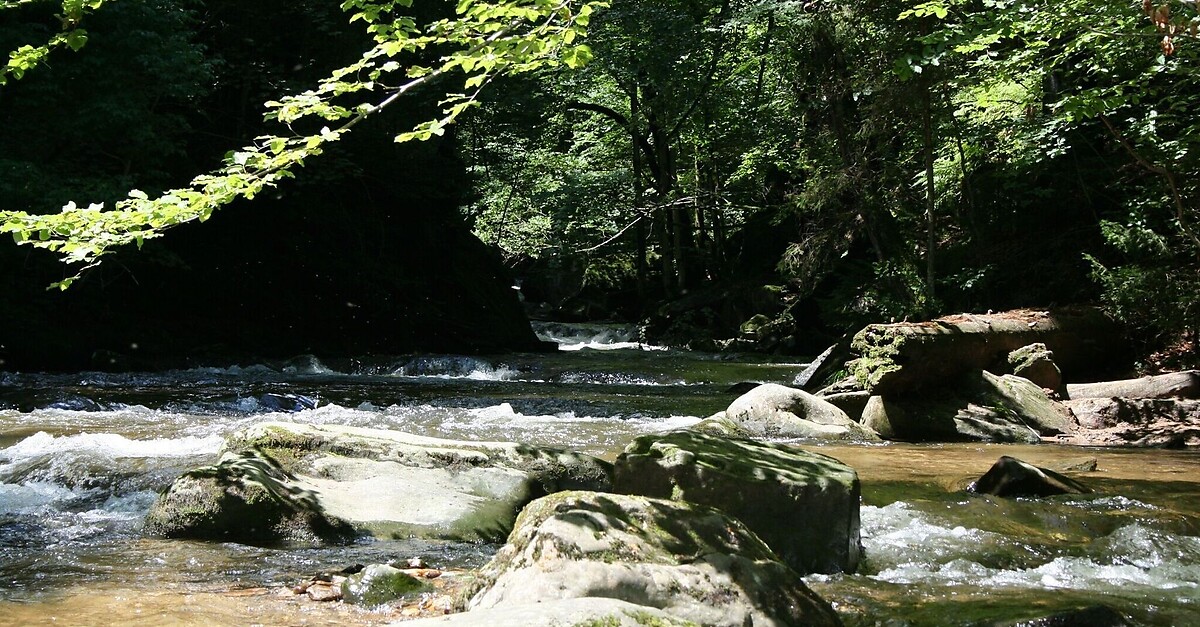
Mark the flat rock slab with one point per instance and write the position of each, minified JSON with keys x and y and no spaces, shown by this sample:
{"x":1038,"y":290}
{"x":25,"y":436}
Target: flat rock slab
{"x":804,"y":505}
{"x":394,"y":484}
{"x":1149,"y":422}
{"x":559,"y":613}
{"x":692,"y":562}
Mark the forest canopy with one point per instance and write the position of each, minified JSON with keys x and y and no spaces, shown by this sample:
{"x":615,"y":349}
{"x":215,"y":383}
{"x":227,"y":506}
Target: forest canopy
{"x":878,"y":161}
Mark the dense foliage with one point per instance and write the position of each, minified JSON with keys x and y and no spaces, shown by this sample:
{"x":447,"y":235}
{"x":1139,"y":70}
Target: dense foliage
{"x":948,"y":156}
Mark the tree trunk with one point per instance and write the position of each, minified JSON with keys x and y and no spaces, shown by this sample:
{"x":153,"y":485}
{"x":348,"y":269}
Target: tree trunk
{"x":1174,"y":385}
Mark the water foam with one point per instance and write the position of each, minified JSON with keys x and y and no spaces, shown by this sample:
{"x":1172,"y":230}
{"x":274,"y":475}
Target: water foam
{"x":108,"y":445}
{"x":910,"y":547}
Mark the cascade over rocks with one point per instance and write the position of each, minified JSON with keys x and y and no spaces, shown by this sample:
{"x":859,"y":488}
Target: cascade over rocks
{"x":772,"y":410}
{"x":393,"y":484}
{"x":690,"y":561}
{"x":803,"y":505}
{"x":1010,"y":477}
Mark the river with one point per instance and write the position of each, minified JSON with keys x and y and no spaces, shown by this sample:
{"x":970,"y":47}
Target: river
{"x":82,"y":457}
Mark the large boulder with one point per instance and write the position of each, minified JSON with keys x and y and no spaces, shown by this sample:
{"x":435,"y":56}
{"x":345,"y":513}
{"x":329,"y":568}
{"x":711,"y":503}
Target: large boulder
{"x":692,"y":562}
{"x":773,"y":410}
{"x":980,"y":407}
{"x":394,"y":484}
{"x":244,"y":497}
{"x":902,"y":358}
{"x":803,"y":505}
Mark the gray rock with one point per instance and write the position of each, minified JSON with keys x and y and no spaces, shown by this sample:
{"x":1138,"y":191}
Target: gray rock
{"x":692,"y":562}
{"x":1036,"y":363}
{"x":803,"y":505}
{"x":394,"y":484}
{"x":378,"y":584}
{"x":588,"y":611}
{"x":773,"y":410}
{"x":982,"y":407}
{"x":244,"y":497}
{"x":809,"y":374}
{"x":853,"y":403}
{"x":1010,"y":477}
{"x":878,"y":415}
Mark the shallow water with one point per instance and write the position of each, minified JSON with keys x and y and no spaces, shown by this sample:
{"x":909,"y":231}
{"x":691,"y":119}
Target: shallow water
{"x":82,"y":457}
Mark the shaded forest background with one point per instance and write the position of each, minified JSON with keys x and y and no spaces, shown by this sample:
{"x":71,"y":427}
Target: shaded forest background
{"x":776,"y":172}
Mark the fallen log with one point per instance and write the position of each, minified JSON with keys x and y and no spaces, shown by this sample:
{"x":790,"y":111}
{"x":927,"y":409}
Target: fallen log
{"x":1184,"y":384}
{"x":902,"y":358}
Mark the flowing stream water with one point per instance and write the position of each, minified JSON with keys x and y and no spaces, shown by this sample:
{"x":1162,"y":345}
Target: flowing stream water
{"x":82,"y":457}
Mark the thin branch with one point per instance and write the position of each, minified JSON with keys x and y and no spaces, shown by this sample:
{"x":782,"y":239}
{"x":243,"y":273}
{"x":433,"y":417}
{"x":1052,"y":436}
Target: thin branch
{"x":1161,"y":171}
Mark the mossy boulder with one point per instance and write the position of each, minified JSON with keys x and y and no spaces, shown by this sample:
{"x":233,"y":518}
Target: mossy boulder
{"x":393,"y":484}
{"x":904,"y":358}
{"x":803,"y":505}
{"x":773,"y":410}
{"x":690,"y":561}
{"x":719,"y":425}
{"x":1036,"y":363}
{"x":244,"y":497}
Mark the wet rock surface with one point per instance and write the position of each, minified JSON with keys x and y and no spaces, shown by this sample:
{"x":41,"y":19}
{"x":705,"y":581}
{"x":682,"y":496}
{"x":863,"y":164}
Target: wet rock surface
{"x":369,"y":481}
{"x":804,"y":505}
{"x":689,"y":561}
{"x":1010,"y":477}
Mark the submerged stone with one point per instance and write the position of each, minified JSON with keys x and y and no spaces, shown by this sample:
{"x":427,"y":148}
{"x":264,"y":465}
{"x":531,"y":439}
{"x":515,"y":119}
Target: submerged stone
{"x":1010,"y":477}
{"x":378,"y":584}
{"x":804,"y":505}
{"x":1094,"y":616}
{"x":691,"y":562}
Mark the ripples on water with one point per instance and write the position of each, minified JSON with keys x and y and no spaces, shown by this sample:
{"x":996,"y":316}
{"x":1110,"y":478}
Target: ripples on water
{"x":82,"y":457}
